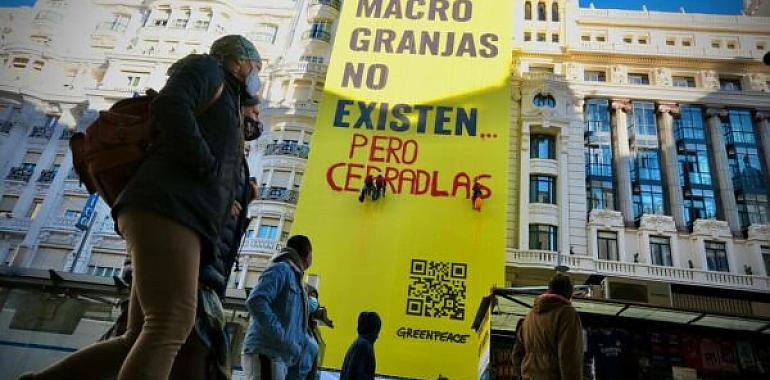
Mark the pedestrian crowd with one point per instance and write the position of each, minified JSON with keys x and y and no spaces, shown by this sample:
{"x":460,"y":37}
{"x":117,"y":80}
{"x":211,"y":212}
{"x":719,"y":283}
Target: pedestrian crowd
{"x":183,"y":213}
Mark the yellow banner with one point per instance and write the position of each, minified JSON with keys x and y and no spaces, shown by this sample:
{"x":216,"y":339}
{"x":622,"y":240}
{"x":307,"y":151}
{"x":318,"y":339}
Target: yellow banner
{"x":418,"y":92}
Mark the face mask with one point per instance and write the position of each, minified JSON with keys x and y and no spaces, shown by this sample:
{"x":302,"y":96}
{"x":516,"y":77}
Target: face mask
{"x":253,"y":129}
{"x":252,"y":83}
{"x":312,"y":304}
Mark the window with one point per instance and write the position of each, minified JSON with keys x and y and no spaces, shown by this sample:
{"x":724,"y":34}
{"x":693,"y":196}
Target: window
{"x":761,"y":46}
{"x":608,"y":246}
{"x":528,"y":11}
{"x":716,"y":44}
{"x":601,"y":38}
{"x":595,"y":76}
{"x":679,"y":81}
{"x":660,"y":250}
{"x":555,"y":11}
{"x":642,"y":119}
{"x":542,"y":189}
{"x":732,"y":45}
{"x":265,"y":32}
{"x":746,"y":169}
{"x":8,"y":203}
{"x":766,"y":259}
{"x":542,"y":147}
{"x":694,"y":166}
{"x":716,"y":256}
{"x":71,"y":214}
{"x":267,"y":231}
{"x":541,"y":11}
{"x":687,"y":42}
{"x":133,"y":81}
{"x":250,"y":234}
{"x":527,"y":36}
{"x":103,"y":271}
{"x":34,"y":210}
{"x":585,"y":37}
{"x":181,"y":18}
{"x":729,"y":84}
{"x":118,"y":22}
{"x":541,"y":37}
{"x":543,"y":237}
{"x":628,"y":39}
{"x":311,"y":59}
{"x":642,"y":40}
{"x":638,"y":79}
{"x":554,"y":37}
{"x":670,"y":41}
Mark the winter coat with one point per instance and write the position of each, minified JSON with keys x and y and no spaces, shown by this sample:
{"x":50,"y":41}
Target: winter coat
{"x":360,"y":363}
{"x":192,"y":170}
{"x":216,"y":268}
{"x":549,"y":344}
{"x":278,"y":310}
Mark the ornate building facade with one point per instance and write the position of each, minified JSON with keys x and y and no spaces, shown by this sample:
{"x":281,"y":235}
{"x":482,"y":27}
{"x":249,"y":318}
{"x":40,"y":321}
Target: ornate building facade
{"x":640,"y":141}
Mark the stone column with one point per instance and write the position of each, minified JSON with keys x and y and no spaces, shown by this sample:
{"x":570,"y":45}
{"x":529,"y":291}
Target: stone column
{"x":762,"y":119}
{"x":563,"y":192}
{"x":666,"y":114}
{"x":622,"y":159}
{"x":722,"y":169}
{"x":524,"y":189}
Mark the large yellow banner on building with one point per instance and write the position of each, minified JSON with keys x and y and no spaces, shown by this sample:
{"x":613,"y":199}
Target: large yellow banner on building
{"x":417,"y":92}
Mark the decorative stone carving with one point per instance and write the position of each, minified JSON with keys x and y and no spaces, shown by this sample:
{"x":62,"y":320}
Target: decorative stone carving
{"x":671,"y":108}
{"x":754,"y":82}
{"x":657,"y":223}
{"x":605,"y":218}
{"x":543,"y":213}
{"x":716,"y":111}
{"x":619,"y":74}
{"x":662,"y":77}
{"x":759,"y":232}
{"x":762,"y":115}
{"x":575,"y":71}
{"x":621,"y":105}
{"x":710,"y":79}
{"x":711,"y":228}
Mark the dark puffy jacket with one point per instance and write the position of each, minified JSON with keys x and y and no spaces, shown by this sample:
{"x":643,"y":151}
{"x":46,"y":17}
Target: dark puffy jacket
{"x":549,"y":343}
{"x":193,"y":169}
{"x":216,"y":268}
{"x":360,"y":363}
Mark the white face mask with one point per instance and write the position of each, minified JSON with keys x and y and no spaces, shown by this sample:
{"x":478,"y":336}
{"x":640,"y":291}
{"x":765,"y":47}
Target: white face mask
{"x":252,"y":83}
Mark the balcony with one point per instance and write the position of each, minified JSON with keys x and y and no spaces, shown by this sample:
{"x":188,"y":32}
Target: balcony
{"x":317,"y":35}
{"x":19,"y":173}
{"x":269,"y":246}
{"x":47,"y":176}
{"x":15,"y":224}
{"x":285,"y":149}
{"x":323,"y":10}
{"x":64,"y":223}
{"x":277,"y":194}
{"x":41,"y":132}
{"x":589,"y":265}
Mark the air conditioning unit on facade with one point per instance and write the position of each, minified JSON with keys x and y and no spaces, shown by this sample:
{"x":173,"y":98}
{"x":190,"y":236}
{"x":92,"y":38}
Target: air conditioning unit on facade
{"x":627,"y":290}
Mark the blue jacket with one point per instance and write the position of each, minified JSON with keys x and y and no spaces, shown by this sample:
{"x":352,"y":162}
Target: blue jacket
{"x":278,"y":309}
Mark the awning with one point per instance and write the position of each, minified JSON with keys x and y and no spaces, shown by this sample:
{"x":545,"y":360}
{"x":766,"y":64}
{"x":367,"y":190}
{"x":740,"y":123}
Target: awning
{"x":512,"y":304}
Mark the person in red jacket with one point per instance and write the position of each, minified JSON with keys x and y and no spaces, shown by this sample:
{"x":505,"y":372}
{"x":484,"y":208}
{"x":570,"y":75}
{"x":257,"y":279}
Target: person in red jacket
{"x":368,"y":187}
{"x":379,"y":187}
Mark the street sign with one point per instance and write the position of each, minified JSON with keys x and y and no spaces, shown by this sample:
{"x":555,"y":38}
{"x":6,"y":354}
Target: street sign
{"x":88,"y":211}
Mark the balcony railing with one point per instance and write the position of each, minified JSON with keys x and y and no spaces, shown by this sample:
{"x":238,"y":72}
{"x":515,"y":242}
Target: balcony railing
{"x":277,"y":194}
{"x":41,"y":132}
{"x":336,"y":4}
{"x":262,"y":245}
{"x":47,"y":176}
{"x":585,"y":264}
{"x":320,"y":35}
{"x":19,"y":173}
{"x":285,"y":149}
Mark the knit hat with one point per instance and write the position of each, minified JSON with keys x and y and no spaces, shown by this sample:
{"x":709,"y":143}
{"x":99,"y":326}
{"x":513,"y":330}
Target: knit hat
{"x":235,"y":46}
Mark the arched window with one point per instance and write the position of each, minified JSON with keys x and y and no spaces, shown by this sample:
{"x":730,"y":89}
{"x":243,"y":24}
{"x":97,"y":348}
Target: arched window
{"x":541,"y":11}
{"x":555,"y":12}
{"x":528,"y":11}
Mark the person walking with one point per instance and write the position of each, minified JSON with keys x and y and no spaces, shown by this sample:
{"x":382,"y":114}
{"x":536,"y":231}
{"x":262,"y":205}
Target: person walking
{"x":360,"y":363}
{"x":172,"y":210}
{"x":549,"y":342}
{"x":278,"y":315}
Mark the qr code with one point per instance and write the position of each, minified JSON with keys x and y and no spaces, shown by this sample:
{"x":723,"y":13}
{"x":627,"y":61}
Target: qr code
{"x":437,"y":289}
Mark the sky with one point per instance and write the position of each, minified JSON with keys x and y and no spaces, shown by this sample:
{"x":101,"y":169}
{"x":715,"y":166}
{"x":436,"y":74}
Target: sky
{"x":691,"y":6}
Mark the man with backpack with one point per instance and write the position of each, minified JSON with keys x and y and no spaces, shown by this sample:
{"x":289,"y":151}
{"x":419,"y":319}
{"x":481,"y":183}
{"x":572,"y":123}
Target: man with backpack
{"x":173,"y":209}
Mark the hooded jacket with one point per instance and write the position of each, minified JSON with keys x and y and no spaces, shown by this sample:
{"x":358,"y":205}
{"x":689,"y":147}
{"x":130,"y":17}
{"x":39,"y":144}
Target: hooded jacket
{"x":192,"y":170}
{"x":278,"y":310}
{"x":360,"y":363}
{"x":549,"y":344}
